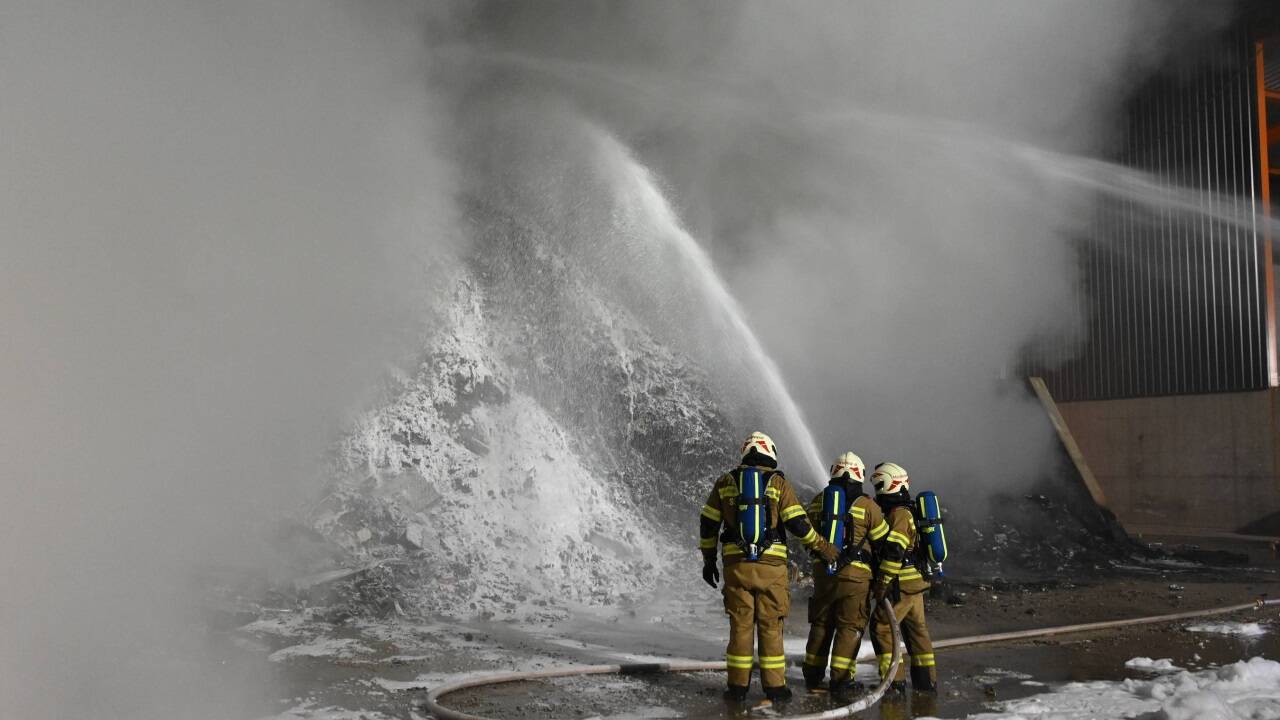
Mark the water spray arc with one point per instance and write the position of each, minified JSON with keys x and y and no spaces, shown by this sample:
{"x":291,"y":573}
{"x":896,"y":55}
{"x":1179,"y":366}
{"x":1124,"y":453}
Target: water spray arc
{"x":643,"y":191}
{"x":939,"y":135}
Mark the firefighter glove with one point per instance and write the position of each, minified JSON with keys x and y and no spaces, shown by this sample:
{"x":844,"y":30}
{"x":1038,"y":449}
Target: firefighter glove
{"x":879,"y":591}
{"x":828,"y":553}
{"x":710,"y":572}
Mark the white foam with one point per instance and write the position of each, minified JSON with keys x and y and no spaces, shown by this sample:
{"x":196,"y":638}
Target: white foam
{"x":1149,"y":665}
{"x":309,"y":711}
{"x":654,"y":712}
{"x":1246,"y":689}
{"x":794,"y":647}
{"x":330,"y":648}
{"x":1230,"y":628}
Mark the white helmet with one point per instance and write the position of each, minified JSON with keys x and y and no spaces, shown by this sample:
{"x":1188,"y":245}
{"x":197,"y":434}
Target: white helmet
{"x":848,"y":467}
{"x":889,"y":478}
{"x":760,"y":443}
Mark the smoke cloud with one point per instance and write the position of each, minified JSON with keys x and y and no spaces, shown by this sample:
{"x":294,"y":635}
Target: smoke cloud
{"x":219,"y":221}
{"x":846,"y":167}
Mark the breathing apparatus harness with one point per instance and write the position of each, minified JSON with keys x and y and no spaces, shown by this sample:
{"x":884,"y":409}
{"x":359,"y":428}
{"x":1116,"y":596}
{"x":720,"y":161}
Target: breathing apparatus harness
{"x":887,"y":504}
{"x":930,"y":548}
{"x":753,"y":530}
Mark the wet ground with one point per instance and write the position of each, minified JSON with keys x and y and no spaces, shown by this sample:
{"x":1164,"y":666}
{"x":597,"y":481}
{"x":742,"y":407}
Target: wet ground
{"x":376,"y":670}
{"x":970,"y":678}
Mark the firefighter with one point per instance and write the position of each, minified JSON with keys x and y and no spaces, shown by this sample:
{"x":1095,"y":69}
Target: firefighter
{"x":757,"y":507}
{"x":898,"y":577}
{"x":838,"y":611}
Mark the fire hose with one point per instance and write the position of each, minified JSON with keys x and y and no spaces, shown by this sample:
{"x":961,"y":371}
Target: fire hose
{"x":441,"y":712}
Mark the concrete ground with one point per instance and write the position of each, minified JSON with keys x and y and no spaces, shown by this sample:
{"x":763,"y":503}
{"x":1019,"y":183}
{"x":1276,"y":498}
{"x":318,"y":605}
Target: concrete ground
{"x":383,"y":669}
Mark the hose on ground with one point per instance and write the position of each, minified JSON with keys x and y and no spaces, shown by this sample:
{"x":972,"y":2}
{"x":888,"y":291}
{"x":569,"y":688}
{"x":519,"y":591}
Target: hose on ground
{"x":1103,"y":625}
{"x":441,"y":712}
{"x":874,"y":696}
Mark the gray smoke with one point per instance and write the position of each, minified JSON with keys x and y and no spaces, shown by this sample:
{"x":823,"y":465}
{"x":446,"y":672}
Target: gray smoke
{"x":837,"y":162}
{"x":219,"y":221}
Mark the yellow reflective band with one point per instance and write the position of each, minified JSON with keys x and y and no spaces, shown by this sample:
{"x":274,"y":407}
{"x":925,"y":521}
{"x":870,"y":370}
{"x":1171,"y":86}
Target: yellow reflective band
{"x":710,"y":513}
{"x":887,"y":569}
{"x":791,"y":511}
{"x":910,"y":575}
{"x":840,"y":663}
{"x":810,"y":537}
{"x":728,"y":491}
{"x":707,"y":543}
{"x":890,"y":564}
{"x":740,"y":665}
{"x":858,"y":512}
{"x":885,"y":661}
{"x":775,"y":550}
{"x":773,"y":492}
{"x":922,"y":661}
{"x":819,"y":562}
{"x":898,"y":538}
{"x":811,"y":659}
{"x":771,"y":662}
{"x":880,"y":530}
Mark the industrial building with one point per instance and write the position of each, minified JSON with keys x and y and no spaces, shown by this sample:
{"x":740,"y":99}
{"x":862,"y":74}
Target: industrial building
{"x":1172,"y":400}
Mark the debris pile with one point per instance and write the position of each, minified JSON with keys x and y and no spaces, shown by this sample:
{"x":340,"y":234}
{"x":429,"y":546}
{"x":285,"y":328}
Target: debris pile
{"x":489,"y":484}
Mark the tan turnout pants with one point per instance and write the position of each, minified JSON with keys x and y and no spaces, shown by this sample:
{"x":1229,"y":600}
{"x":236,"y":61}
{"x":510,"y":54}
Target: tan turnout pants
{"x":915,"y":633}
{"x":756,"y":598}
{"x":838,"y":613}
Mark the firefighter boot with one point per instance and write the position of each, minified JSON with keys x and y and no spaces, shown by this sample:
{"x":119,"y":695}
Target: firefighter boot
{"x":813,"y":676}
{"x":778,"y":694}
{"x":923,"y":679}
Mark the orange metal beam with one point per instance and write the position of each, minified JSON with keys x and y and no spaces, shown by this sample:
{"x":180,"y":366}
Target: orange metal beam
{"x":1269,"y":273}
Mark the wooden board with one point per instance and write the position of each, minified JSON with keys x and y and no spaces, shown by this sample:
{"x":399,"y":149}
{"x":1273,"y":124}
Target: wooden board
{"x":1068,"y":441}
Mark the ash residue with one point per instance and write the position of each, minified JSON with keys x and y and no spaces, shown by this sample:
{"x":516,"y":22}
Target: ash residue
{"x":1035,"y":536}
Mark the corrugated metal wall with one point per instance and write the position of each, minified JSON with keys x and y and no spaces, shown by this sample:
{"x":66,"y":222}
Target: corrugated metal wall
{"x":1176,"y":301}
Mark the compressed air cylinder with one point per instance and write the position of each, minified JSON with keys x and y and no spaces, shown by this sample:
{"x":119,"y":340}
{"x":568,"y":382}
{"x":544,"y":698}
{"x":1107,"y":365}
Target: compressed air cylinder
{"x":753,"y":513}
{"x":932,"y":535}
{"x":835,"y":506}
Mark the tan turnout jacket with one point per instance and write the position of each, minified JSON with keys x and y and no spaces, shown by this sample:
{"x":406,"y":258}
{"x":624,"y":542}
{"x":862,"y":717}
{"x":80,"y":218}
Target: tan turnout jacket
{"x":902,"y":532}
